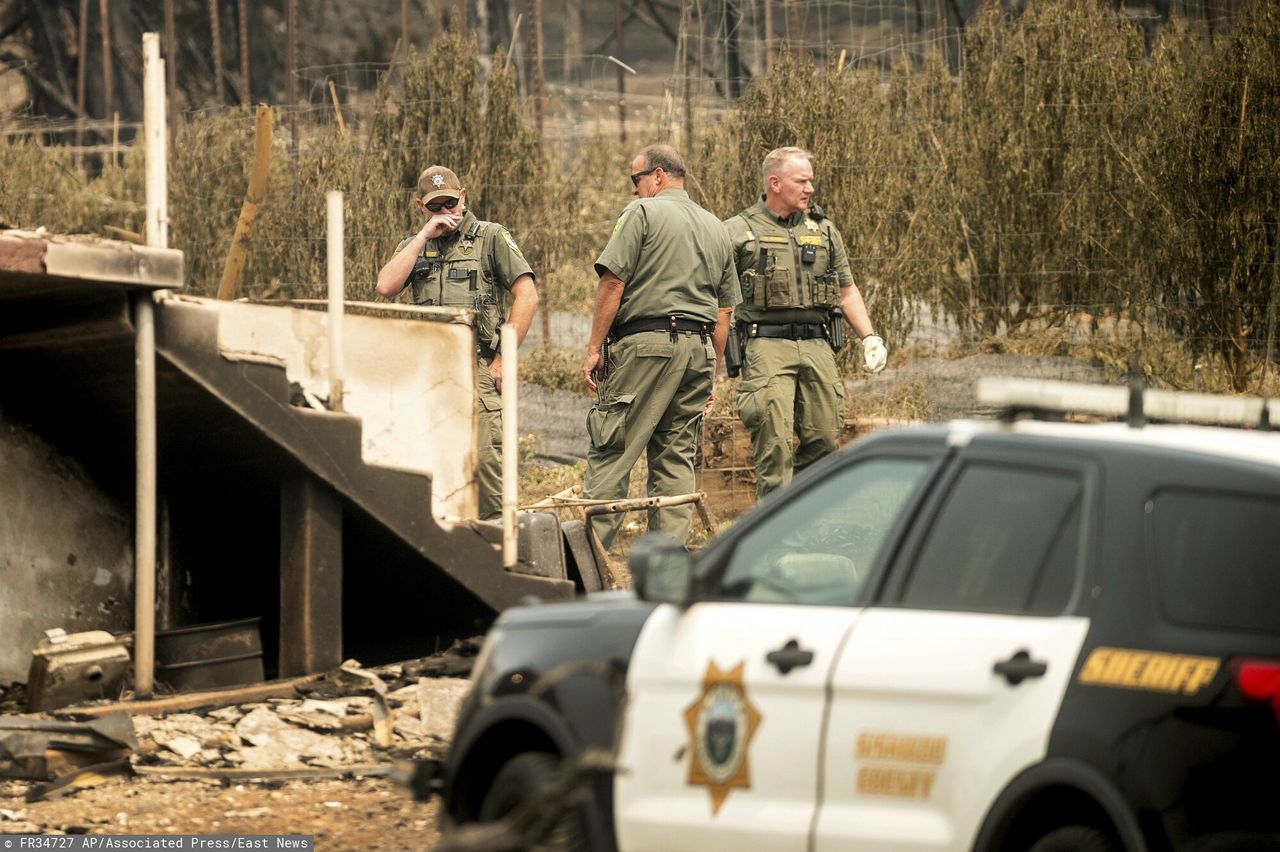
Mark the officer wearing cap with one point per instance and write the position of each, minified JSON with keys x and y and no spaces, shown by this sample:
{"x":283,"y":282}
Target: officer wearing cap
{"x":796,"y":290}
{"x":663,"y":307}
{"x":458,"y":260}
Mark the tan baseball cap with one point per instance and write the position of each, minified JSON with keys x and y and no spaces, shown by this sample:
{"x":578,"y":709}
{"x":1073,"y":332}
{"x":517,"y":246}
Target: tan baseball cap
{"x":438,"y":182}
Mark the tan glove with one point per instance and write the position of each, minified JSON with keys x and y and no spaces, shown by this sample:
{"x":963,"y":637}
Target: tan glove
{"x":874,"y":353}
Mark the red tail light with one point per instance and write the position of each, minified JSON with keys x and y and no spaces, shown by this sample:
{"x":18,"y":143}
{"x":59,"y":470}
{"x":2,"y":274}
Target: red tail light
{"x":1259,"y":681}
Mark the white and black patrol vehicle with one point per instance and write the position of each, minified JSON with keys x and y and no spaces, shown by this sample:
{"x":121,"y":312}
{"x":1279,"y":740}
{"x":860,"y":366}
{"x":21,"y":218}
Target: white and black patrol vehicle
{"x":1001,"y":635}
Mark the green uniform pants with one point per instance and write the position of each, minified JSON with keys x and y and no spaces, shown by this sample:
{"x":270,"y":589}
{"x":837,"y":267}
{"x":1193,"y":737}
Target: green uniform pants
{"x":650,"y":403}
{"x":488,"y":443}
{"x":789,"y":387}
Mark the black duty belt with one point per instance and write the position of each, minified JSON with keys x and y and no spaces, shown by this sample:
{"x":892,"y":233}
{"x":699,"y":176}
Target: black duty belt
{"x":673,"y":325}
{"x":786,"y":330}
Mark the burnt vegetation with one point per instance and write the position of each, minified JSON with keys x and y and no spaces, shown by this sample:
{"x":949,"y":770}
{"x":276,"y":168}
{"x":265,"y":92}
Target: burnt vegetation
{"x":1056,"y":167}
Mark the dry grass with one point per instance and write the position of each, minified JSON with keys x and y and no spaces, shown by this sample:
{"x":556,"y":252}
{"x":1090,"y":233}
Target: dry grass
{"x":1064,"y":172}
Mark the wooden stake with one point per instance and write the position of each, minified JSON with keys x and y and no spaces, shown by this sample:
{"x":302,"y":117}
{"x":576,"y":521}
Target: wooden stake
{"x":215,"y":32}
{"x":515,"y":35}
{"x":249,"y":210}
{"x":337,"y":110}
{"x":115,"y":139}
{"x":243,"y":6}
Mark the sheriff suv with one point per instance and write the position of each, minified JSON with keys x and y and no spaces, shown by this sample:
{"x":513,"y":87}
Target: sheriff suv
{"x":1000,"y":635}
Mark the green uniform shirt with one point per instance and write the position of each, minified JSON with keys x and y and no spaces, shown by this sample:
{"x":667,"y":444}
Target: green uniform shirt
{"x":793,"y":268}
{"x":673,"y":256}
{"x":473,"y":267}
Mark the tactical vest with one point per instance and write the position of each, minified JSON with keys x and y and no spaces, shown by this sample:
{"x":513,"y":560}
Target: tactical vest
{"x":790,"y":267}
{"x":462,"y":276}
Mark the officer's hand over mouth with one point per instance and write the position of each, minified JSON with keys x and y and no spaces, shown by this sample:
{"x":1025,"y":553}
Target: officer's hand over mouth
{"x":444,"y":222}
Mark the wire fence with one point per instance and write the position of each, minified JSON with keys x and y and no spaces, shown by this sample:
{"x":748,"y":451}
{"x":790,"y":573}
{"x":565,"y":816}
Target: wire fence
{"x":1056,"y":173}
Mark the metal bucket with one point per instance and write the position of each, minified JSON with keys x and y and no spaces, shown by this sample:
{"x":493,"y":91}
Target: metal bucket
{"x":208,"y":656}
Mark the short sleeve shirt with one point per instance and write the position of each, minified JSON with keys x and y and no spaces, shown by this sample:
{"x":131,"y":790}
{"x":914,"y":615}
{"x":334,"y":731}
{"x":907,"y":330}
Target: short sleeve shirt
{"x":673,"y":257}
{"x":503,"y":259}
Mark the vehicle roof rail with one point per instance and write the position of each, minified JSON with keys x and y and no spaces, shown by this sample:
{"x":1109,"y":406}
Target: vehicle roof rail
{"x":1049,"y":399}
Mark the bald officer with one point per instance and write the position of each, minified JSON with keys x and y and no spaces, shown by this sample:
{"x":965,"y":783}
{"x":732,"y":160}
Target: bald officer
{"x":796,"y":285}
{"x":663,"y":304}
{"x":458,"y":260}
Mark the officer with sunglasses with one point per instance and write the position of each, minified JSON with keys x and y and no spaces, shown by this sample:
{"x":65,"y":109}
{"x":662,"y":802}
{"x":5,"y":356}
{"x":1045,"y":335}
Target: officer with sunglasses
{"x":664,"y":302}
{"x":458,"y":260}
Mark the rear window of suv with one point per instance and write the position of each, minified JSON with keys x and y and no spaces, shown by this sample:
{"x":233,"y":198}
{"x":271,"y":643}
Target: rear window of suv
{"x":1217,"y":558}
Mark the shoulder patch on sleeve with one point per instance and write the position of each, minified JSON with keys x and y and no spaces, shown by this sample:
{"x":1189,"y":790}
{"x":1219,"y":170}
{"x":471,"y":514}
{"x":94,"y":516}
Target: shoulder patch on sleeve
{"x":623,"y":218}
{"x":511,"y":242}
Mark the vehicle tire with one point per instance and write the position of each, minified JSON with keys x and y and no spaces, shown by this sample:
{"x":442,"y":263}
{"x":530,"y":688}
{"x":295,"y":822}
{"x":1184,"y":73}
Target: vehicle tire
{"x":1075,"y":838}
{"x":522,"y":782}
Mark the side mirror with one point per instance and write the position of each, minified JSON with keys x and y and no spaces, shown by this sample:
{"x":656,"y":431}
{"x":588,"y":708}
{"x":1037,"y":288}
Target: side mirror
{"x":662,"y":570}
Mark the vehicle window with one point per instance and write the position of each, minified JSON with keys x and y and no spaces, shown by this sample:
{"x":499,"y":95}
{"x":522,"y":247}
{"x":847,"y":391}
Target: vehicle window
{"x":818,"y":547}
{"x":1006,"y":540}
{"x":1217,"y":558}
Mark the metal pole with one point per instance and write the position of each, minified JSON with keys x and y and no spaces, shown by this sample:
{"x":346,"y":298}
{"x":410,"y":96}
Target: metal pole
{"x":108,"y":85}
{"x":144,"y":543}
{"x":510,"y":445}
{"x":539,"y":103}
{"x":81,"y":73}
{"x":622,"y":57}
{"x":404,"y":26}
{"x":337,"y":285}
{"x":291,"y":73}
{"x":768,"y":35}
{"x":170,"y":61}
{"x":686,"y":20}
{"x":244,"y":52}
{"x":215,"y":36}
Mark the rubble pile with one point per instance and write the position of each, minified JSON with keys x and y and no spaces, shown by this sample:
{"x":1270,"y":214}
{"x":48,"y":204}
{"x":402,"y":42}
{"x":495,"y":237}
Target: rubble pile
{"x":350,"y":722}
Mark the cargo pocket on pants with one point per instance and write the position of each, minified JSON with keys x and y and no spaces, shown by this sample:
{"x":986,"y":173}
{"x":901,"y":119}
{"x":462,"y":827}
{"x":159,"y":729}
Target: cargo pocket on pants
{"x":607,"y":422}
{"x":493,"y":411}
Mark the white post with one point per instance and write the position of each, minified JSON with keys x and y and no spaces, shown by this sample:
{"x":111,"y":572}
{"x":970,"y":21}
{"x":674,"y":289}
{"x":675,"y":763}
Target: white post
{"x":510,"y":445}
{"x":337,"y":287}
{"x":144,"y":542}
{"x":154,"y":134}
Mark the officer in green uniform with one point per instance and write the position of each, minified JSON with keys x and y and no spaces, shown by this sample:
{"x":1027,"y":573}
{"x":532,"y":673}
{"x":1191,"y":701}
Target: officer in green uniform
{"x":796,"y":289}
{"x":458,"y":260}
{"x":663,"y":307}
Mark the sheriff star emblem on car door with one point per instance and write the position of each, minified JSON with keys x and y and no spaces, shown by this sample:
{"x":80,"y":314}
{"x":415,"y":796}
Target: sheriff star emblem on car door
{"x":721,"y":723}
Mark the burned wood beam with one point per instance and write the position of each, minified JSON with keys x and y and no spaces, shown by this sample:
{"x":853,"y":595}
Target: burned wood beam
{"x":310,"y":577}
{"x":196,"y":700}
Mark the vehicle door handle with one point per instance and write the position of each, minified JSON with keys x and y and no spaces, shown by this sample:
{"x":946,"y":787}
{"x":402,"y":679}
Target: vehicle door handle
{"x":789,"y":656}
{"x":1019,"y":667}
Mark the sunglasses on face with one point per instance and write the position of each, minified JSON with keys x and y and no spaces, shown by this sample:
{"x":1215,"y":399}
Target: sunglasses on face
{"x":635,"y":178}
{"x":441,"y":204}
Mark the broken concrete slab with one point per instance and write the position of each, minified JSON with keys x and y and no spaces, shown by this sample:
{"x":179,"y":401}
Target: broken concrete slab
{"x":439,"y":700}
